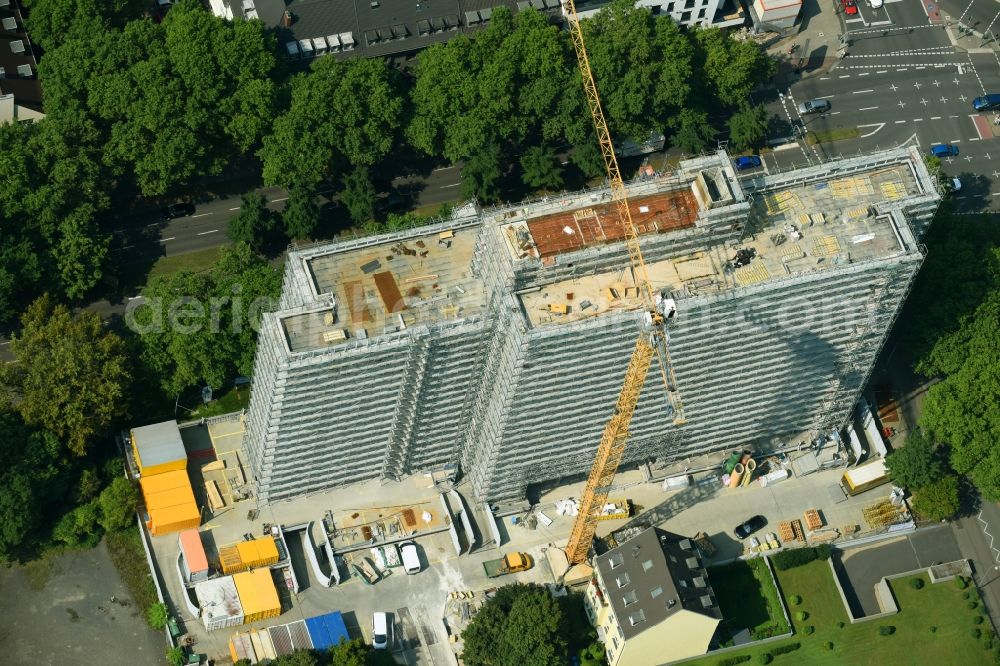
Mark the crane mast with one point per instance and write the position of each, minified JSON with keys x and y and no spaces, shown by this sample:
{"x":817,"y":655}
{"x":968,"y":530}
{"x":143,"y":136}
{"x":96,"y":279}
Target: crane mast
{"x":652,"y":341}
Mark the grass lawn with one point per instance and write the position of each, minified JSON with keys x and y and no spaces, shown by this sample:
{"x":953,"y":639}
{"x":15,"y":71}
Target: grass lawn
{"x":748,"y":598}
{"x":233,"y":400}
{"x":197,"y":262}
{"x":913,"y":642}
{"x":829,"y":136}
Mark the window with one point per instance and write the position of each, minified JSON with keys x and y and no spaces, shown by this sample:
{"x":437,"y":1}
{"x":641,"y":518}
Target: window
{"x":688,"y":4}
{"x":637,"y":617}
{"x":616,"y":560}
{"x":623,"y":580}
{"x":647,"y":565}
{"x":657,"y":591}
{"x":701,"y":13}
{"x":685,"y":17}
{"x":630,"y":598}
{"x":670,"y":8}
{"x":614,"y":643}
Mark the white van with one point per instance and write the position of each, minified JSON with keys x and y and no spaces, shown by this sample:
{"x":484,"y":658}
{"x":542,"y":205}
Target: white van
{"x":411,"y":560}
{"x":380,"y":631}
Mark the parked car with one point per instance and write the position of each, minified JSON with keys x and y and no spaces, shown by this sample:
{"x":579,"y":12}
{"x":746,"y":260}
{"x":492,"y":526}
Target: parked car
{"x":850,"y":7}
{"x":751,"y":525}
{"x":814,"y":106}
{"x":411,"y":559}
{"x":380,"y":631}
{"x":944,"y":150}
{"x":747,"y":162}
{"x":182,"y":209}
{"x":986,"y":102}
{"x":956,"y":184}
{"x":875,"y":4}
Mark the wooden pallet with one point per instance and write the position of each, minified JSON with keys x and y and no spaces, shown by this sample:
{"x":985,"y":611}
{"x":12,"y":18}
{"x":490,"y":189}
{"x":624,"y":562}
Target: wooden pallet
{"x":791,"y":530}
{"x":812,"y":520}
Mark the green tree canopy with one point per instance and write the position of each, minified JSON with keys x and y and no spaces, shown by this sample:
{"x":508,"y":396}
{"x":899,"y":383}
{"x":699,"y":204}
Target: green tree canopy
{"x":342,"y":114}
{"x":732,"y":68}
{"x":118,"y":503}
{"x":255,"y":224}
{"x":202,"y":327}
{"x":748,"y":127}
{"x":692,"y":131}
{"x":70,"y":376}
{"x":521,"y":625}
{"x":358,"y":195}
{"x":541,"y":168}
{"x":301,"y":215}
{"x":938,"y":500}
{"x":643,"y":66}
{"x":916,"y":464}
{"x":33,"y":481}
{"x":482,"y":174}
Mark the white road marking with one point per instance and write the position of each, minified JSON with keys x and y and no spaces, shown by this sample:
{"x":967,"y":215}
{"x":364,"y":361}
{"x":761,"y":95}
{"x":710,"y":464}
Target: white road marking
{"x":881,"y":71}
{"x":445,"y":187}
{"x":860,"y":92}
{"x":976,"y":139}
{"x":956,"y":141}
{"x":868,"y":108}
{"x":201,"y":215}
{"x":935,"y":117}
{"x":281,"y":199}
{"x":445,"y":168}
{"x":135,"y":298}
{"x":205,"y":233}
{"x":900,"y":122}
{"x":980,"y":516}
{"x":881,"y":22}
{"x":877,"y":127}
{"x":164,"y":240}
{"x":844,"y":76}
{"x":865,"y":74}
{"x":826,"y":97}
{"x":237,"y":208}
{"x":834,"y":113}
{"x":917,"y":120}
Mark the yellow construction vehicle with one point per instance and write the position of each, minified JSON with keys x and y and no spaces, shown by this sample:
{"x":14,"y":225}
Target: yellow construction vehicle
{"x":652,"y":339}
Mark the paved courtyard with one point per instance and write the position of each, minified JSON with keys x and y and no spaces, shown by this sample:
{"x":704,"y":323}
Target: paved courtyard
{"x":865,"y":566}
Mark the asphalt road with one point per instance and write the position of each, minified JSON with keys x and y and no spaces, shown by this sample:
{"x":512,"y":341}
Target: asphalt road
{"x":899,"y":80}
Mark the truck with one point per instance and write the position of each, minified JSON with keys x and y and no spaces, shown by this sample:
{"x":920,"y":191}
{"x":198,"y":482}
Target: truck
{"x":508,"y":564}
{"x":858,"y":480}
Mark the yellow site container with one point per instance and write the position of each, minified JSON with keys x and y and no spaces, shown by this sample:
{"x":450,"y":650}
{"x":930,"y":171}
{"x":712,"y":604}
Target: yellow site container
{"x":258,"y":553}
{"x":174,"y":519}
{"x":158,"y":448}
{"x":241,"y":647}
{"x":230,"y":560}
{"x":258,"y":595}
{"x":169,"y":502}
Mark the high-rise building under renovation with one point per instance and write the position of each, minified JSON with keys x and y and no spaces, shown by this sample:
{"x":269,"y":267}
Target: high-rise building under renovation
{"x":498,"y":340}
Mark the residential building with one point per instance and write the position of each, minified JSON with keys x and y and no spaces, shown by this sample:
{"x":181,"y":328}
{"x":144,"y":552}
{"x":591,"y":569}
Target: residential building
{"x":704,"y":13}
{"x":497,"y":340}
{"x":20,"y":91}
{"x":651,"y":601}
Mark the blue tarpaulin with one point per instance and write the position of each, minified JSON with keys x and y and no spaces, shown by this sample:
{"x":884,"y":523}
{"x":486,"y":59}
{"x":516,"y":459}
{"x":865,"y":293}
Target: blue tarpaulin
{"x":327,"y":630}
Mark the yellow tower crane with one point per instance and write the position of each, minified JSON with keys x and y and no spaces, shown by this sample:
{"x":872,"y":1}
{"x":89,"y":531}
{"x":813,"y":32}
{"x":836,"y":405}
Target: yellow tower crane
{"x":652,"y":340}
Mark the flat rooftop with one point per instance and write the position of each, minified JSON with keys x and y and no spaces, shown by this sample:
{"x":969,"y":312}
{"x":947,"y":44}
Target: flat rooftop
{"x":570,"y":230}
{"x":387,"y":287}
{"x":813,"y":226}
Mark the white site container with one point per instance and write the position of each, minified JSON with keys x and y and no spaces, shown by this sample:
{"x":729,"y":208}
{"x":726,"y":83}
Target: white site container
{"x":771,"y":478}
{"x":219,"y":603}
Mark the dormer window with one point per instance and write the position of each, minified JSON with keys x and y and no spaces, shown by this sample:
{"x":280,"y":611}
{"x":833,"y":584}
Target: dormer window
{"x":623,"y":580}
{"x":616,"y":560}
{"x":630,"y":597}
{"x":637,"y":617}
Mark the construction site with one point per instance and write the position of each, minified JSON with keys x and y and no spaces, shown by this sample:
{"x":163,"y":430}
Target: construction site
{"x":494,"y":343}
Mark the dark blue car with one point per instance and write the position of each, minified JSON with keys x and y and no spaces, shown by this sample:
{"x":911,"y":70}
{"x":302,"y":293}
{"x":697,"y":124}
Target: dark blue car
{"x":944,"y":150}
{"x":746,"y":162}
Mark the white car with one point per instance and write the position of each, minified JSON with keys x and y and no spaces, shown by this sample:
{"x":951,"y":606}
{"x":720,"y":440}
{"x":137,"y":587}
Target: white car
{"x":411,"y":559}
{"x":875,"y":4}
{"x":956,"y":184}
{"x":380,"y":631}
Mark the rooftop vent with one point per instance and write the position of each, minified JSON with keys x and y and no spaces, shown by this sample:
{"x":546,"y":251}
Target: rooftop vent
{"x":699,"y":581}
{"x":25,"y":71}
{"x":4,"y":3}
{"x":691,"y":562}
{"x":686,"y":544}
{"x":10,"y":24}
{"x":17,"y":46}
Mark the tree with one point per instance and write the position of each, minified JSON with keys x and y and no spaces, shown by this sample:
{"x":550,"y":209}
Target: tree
{"x":959,"y":410}
{"x":587,"y":157}
{"x":202,"y":327}
{"x":482,"y":173}
{"x":938,"y":500}
{"x":748,"y":127}
{"x":33,"y":482}
{"x":358,"y":195}
{"x":301,"y":214}
{"x":541,"y":168}
{"x":917,"y":464}
{"x":297,"y":658}
{"x":692,"y":131}
{"x":732,"y":68}
{"x":71,"y":375}
{"x":352,"y":652}
{"x":80,"y":252}
{"x":643,"y":66}
{"x":254,"y":224}
{"x":343,"y":114}
{"x":118,"y":503}
{"x":79,"y":527}
{"x":520,"y":625}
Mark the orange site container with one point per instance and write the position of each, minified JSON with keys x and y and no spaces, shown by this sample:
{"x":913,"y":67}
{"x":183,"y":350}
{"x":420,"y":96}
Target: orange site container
{"x":195,"y":561}
{"x":229,"y":560}
{"x":170,"y":502}
{"x":258,"y":595}
{"x":258,"y":553}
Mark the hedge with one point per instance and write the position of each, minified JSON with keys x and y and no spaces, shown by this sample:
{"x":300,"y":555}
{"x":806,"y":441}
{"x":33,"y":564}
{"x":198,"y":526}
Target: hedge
{"x":796,"y":557}
{"x":785,"y":649}
{"x":732,"y":661}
